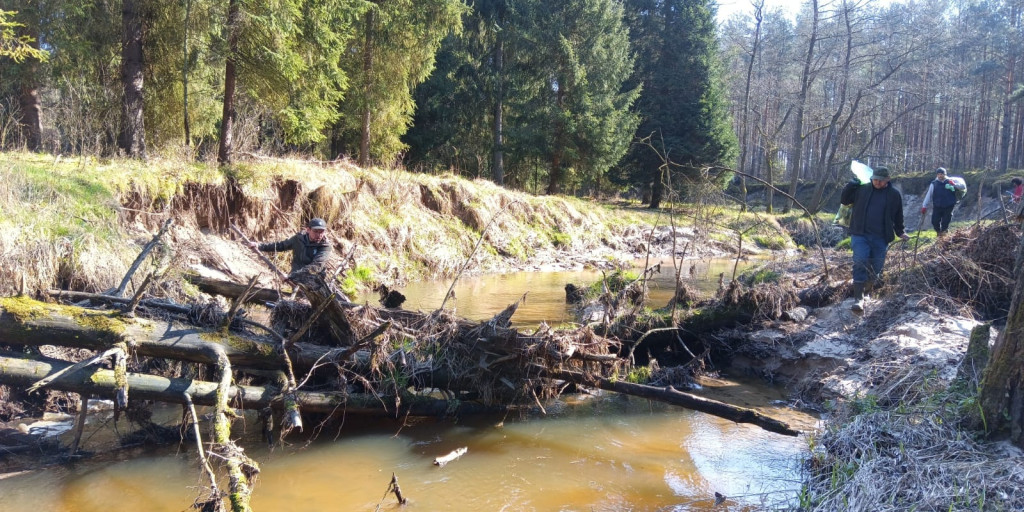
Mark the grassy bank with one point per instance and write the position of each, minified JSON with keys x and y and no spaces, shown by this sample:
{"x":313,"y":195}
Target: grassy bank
{"x":79,"y":222}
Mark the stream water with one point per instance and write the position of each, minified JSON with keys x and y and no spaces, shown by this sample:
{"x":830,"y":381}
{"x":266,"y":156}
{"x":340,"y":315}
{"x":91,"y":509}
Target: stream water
{"x":596,"y":453}
{"x":482,"y":297}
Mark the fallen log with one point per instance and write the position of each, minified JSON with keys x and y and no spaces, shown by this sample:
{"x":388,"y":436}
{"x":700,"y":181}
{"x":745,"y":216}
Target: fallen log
{"x":675,"y":397}
{"x":436,"y":350}
{"x":234,"y":290}
{"x":27,"y":322}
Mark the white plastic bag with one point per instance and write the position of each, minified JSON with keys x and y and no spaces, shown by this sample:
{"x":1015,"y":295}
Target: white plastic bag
{"x":863,"y":174}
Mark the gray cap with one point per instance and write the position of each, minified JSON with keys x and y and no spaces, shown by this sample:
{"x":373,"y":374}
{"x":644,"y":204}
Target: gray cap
{"x":881,"y":173}
{"x":940,"y":170}
{"x":317,"y":223}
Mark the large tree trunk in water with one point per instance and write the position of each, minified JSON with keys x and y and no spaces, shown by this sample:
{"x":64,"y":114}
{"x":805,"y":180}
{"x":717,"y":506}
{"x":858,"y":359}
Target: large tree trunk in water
{"x":228,"y":115}
{"x":133,"y":135}
{"x":488,"y":360}
{"x":1002,"y":390}
{"x":364,"y":138}
{"x":498,"y":167}
{"x":673,"y":396}
{"x":23,"y":370}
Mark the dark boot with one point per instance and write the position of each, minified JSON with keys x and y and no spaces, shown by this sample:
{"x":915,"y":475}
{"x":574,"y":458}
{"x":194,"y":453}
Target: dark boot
{"x":858,"y":298}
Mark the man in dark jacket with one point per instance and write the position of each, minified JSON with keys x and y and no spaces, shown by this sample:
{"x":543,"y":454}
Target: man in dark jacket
{"x":309,"y":246}
{"x":942,"y":196}
{"x":877,"y":220}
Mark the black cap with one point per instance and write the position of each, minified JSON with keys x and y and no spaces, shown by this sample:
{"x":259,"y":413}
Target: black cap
{"x":317,"y":223}
{"x":940,"y":170}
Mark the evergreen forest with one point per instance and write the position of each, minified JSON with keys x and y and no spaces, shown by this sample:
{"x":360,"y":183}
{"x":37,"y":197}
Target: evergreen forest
{"x":581,"y":97}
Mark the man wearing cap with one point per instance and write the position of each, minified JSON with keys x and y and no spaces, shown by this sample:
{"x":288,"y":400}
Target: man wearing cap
{"x":877,"y":220}
{"x":942,"y":196}
{"x":308,"y":246}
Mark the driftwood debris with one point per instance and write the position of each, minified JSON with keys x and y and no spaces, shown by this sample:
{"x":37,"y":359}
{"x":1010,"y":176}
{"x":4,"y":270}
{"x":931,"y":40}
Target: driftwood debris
{"x":393,"y":488}
{"x":331,"y":357}
{"x":483,"y":362}
{"x":445,"y":459}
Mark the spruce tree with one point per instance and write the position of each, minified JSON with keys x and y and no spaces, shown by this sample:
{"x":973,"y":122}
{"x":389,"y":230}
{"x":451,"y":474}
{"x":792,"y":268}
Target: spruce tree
{"x":682,"y":103}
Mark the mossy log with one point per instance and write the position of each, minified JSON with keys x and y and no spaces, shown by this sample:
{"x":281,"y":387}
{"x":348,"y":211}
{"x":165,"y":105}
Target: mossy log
{"x":24,"y":370}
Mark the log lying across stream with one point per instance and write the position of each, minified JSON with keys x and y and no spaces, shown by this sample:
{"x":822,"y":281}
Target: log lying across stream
{"x":354,"y":359}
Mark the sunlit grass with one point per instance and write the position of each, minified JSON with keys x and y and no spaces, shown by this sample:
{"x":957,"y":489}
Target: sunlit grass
{"x":60,"y":216}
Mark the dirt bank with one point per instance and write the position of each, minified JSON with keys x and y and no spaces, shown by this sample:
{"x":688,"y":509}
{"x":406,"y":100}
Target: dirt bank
{"x":918,"y":321}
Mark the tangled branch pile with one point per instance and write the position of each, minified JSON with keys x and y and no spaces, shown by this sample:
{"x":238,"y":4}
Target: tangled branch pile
{"x":974,"y":267}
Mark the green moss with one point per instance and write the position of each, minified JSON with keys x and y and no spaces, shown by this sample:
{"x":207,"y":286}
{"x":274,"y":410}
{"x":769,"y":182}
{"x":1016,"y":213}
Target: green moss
{"x":121,"y":369}
{"x":774,"y":242}
{"x":103,"y":379}
{"x":23,"y":308}
{"x":639,"y":375}
{"x":107,"y":322}
{"x":615,"y":283}
{"x":559,"y":239}
{"x":355,"y":280}
{"x":759,"y":275}
{"x":238,"y":343}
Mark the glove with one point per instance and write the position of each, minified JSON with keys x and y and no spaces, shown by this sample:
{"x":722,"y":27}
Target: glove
{"x":950,"y":187}
{"x":924,"y":210}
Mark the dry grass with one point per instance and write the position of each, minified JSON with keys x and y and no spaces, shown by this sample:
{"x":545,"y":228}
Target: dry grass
{"x":904,"y":449}
{"x":79,"y":223}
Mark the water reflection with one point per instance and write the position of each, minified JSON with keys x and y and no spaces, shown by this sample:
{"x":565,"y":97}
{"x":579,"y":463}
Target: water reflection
{"x":600,"y":453}
{"x":482,"y":297}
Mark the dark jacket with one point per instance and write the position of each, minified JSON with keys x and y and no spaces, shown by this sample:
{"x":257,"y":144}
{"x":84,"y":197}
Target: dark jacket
{"x":303,"y":250}
{"x":856,"y":194}
{"x":941,"y":196}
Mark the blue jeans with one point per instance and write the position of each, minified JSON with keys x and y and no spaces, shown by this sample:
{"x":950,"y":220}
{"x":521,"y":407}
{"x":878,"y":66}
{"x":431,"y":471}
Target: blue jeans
{"x":868,"y":257}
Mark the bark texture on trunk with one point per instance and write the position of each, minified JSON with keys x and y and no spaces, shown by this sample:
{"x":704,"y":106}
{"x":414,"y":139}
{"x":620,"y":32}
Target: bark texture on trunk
{"x":228,"y":114}
{"x":133,"y":135}
{"x":28,"y":97}
{"x":364,"y":138}
{"x":1002,"y":389}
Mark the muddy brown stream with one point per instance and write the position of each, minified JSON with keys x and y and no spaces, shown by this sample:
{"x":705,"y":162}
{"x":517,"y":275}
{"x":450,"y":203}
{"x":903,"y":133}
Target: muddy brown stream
{"x":482,"y":297}
{"x":593,"y":453}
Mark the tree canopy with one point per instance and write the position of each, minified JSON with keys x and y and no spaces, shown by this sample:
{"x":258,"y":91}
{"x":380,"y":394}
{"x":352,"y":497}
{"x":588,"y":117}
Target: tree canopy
{"x":580,"y":96}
